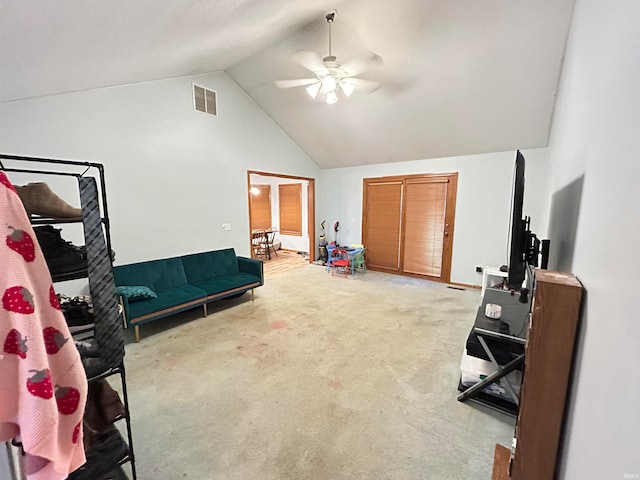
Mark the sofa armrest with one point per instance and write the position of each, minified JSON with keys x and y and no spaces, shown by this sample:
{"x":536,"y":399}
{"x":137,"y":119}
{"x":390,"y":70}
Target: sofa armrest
{"x":252,"y":266}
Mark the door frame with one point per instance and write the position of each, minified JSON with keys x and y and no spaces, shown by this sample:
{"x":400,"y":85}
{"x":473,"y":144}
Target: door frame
{"x":450,"y":211}
{"x":311,"y":205}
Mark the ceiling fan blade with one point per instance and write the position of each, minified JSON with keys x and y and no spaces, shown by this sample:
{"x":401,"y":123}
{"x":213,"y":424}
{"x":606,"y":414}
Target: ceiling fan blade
{"x":296,"y":83}
{"x":311,"y":61}
{"x":359,"y":65}
{"x":362,"y":84}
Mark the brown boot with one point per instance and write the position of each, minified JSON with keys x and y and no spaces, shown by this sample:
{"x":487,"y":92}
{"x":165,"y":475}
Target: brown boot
{"x":39,"y":199}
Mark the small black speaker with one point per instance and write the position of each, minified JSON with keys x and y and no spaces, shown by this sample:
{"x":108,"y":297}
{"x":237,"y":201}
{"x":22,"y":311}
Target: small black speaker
{"x":545,"y":254}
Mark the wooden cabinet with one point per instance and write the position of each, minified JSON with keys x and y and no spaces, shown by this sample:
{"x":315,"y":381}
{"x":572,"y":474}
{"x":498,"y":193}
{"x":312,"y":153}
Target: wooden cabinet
{"x":545,"y":385}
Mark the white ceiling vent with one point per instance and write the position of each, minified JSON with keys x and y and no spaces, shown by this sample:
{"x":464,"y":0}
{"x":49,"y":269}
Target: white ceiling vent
{"x":205,"y":100}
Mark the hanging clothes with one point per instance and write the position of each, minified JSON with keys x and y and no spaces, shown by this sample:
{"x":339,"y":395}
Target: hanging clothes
{"x":43,"y":386}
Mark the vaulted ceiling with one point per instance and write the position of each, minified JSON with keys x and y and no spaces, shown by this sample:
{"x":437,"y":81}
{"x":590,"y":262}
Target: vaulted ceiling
{"x":458,"y":76}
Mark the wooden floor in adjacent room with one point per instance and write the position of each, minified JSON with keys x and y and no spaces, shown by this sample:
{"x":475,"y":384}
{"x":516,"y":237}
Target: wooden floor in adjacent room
{"x":284,"y":261}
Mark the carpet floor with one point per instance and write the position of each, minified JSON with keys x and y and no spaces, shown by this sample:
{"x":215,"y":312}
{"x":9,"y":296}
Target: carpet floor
{"x":319,"y":378}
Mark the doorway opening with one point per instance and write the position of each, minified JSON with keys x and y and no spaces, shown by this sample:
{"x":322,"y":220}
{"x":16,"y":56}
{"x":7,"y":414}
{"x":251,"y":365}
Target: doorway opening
{"x":284,"y":207}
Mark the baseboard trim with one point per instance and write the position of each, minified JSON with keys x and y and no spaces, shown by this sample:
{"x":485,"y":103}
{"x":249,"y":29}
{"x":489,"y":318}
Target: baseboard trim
{"x":289,"y":250}
{"x":466,"y":285}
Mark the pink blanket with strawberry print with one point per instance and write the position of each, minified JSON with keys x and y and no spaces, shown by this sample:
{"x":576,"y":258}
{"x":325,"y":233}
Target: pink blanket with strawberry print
{"x":43,"y":386}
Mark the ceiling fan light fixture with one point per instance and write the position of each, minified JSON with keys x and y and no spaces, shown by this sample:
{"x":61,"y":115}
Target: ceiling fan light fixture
{"x":331,"y":75}
{"x":254,"y":190}
{"x":329,"y":83}
{"x":347,"y":88}
{"x":313,"y":89}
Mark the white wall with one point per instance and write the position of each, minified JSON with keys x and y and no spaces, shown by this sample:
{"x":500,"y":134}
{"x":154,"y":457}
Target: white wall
{"x":482,"y":209}
{"x":288,"y":242}
{"x":174,"y":175}
{"x":595,"y":136}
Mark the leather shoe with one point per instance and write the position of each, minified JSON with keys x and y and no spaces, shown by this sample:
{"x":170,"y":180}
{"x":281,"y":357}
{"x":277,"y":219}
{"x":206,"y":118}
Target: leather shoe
{"x":39,"y":199}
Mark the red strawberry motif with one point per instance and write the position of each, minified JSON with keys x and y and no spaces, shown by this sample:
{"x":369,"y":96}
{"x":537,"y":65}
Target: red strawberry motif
{"x":5,"y":181}
{"x":53,"y":298}
{"x":21,"y":242}
{"x":53,"y":340}
{"x":40,"y":384}
{"x":76,"y":433}
{"x":18,"y":299}
{"x":68,"y":399}
{"x":14,"y":343}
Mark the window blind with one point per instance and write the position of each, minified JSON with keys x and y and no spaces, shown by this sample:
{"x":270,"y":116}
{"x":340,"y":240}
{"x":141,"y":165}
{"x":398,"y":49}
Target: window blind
{"x":290,"y":207}
{"x":261,"y":208}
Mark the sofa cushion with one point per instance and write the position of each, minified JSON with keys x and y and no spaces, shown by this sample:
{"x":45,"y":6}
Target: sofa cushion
{"x":158,"y":275}
{"x":223,"y":283}
{"x":136,"y":293}
{"x":166,"y":299}
{"x":207,"y":265}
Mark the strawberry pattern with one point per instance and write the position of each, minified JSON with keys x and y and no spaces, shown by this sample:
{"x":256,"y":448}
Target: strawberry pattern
{"x":53,"y":340}
{"x":21,"y":242}
{"x":67,"y":399}
{"x":5,"y":181}
{"x":39,"y":384}
{"x":39,"y":359}
{"x":18,"y":299}
{"x":15,"y":343}
{"x":53,"y":299}
{"x":75,"y":436}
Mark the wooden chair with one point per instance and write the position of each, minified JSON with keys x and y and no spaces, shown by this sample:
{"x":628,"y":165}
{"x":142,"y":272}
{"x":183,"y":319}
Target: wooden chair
{"x":270,"y":236}
{"x":258,"y":242}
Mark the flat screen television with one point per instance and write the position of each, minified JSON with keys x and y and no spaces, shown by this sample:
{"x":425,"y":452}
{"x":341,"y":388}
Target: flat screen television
{"x":517,"y":265}
{"x":524,"y":246}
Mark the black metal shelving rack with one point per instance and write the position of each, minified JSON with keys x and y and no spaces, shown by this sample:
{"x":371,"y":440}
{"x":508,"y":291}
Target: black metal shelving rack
{"x":98,"y":466}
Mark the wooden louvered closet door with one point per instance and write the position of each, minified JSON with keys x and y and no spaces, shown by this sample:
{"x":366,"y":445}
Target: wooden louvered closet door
{"x":425,"y":211}
{"x":408,"y":224}
{"x":382,"y":224}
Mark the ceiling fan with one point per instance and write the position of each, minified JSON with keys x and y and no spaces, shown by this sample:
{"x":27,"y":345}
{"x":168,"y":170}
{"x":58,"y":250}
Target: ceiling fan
{"x":332,"y":76}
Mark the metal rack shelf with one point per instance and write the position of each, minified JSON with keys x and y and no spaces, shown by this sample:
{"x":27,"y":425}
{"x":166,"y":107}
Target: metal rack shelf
{"x":105,"y":458}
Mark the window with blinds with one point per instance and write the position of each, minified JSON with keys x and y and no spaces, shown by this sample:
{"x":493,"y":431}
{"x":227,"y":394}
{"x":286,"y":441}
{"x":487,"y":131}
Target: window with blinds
{"x":290,"y":207}
{"x":261,"y":207}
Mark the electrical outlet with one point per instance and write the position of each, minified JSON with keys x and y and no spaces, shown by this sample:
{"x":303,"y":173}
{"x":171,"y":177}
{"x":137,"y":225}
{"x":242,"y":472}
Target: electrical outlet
{"x":226,"y":226}
{"x":478,"y":269}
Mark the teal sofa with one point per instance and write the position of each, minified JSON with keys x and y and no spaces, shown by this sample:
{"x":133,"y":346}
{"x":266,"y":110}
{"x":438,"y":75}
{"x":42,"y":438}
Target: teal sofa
{"x":181,"y":283}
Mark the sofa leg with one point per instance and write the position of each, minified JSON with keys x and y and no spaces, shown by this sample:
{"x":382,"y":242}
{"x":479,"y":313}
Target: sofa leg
{"x":137,"y":332}
{"x":124,"y":316}
{"x":204,"y":306}
{"x":252,"y":294}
